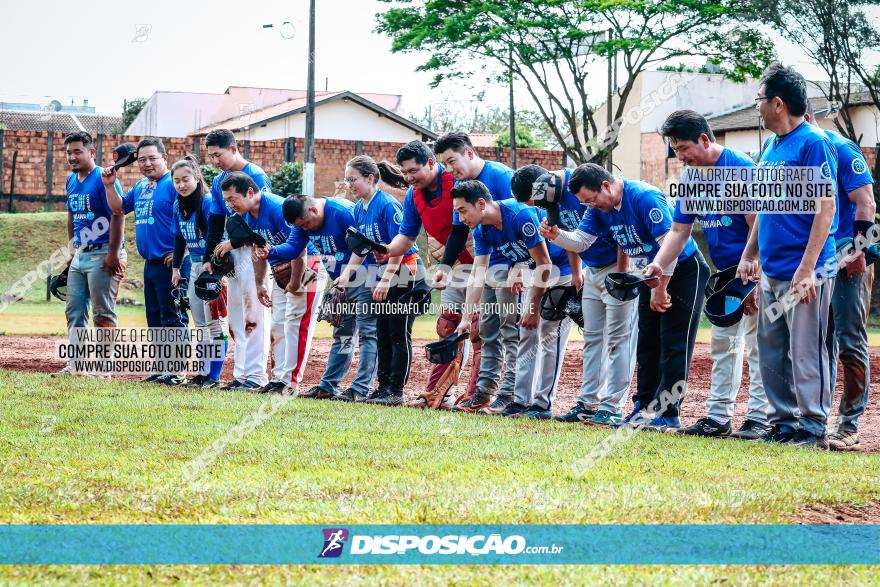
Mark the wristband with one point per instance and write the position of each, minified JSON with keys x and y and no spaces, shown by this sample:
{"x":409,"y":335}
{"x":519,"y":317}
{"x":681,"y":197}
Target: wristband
{"x":862,"y":227}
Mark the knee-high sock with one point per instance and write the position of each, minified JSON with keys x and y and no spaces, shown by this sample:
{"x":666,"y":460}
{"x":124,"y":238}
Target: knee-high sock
{"x":217,"y":364}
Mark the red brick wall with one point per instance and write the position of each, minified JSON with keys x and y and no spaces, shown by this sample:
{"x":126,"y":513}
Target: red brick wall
{"x":330,"y":158}
{"x":656,"y":169}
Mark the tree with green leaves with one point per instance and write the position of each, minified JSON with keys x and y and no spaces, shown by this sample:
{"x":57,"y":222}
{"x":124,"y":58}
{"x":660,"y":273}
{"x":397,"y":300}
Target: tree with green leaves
{"x":130,"y":110}
{"x":835,"y":36}
{"x":478,"y":118}
{"x":551,"y":45}
{"x":524,"y":138}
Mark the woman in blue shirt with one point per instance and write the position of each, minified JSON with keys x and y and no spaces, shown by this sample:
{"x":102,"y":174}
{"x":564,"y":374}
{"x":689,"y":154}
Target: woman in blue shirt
{"x":192,"y":208}
{"x":378,"y":216}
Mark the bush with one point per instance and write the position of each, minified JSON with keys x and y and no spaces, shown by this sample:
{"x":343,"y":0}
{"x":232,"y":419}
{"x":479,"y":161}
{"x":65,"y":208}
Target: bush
{"x":209,"y":172}
{"x":288,"y":180}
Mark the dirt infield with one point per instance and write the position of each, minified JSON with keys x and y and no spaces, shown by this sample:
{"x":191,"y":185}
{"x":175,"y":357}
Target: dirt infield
{"x":23,"y":353}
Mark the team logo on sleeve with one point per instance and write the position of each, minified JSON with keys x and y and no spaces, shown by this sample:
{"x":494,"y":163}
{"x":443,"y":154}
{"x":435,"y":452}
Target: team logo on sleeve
{"x":859,"y":166}
{"x":529,"y":229}
{"x":334,"y":540}
{"x":398,"y":217}
{"x":655,"y":215}
{"x":826,"y":169}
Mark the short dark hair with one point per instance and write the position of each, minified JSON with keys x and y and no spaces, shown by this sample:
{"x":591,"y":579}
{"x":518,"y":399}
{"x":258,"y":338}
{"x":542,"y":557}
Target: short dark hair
{"x":239,"y":182}
{"x":150,"y":142}
{"x":79,"y":136}
{"x":457,"y":141}
{"x":222,"y":137}
{"x":590,"y":176}
{"x":294,"y":207}
{"x":414,"y":150}
{"x":522,"y":180}
{"x":788,"y":85}
{"x":471,"y":191}
{"x":686,"y":125}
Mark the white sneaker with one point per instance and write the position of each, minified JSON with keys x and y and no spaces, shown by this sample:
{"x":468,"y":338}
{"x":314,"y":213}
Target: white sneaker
{"x":449,"y":399}
{"x":67,"y":371}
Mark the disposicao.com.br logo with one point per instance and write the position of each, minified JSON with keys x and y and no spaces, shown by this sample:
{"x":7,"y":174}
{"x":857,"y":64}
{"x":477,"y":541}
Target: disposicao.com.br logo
{"x":476,"y":545}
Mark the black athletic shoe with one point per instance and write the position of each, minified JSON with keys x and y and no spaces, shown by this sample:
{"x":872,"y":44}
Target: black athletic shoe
{"x":751,"y":430}
{"x":154,"y":378}
{"x":579,"y":413}
{"x":808,"y":440}
{"x":317,"y":392}
{"x":209,"y":383}
{"x":349,"y":395}
{"x":386,"y":397}
{"x":197,"y":381}
{"x":707,"y":427}
{"x":273,"y":387}
{"x":781,"y":434}
{"x":171,"y":380}
{"x":535,"y":413}
{"x":513,"y":408}
{"x":233,"y":385}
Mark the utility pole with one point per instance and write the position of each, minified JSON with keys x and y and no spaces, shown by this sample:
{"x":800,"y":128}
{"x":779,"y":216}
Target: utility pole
{"x":309,"y":166}
{"x":512,"y":112}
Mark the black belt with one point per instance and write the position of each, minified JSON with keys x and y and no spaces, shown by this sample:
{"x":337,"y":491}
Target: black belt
{"x":89,"y":248}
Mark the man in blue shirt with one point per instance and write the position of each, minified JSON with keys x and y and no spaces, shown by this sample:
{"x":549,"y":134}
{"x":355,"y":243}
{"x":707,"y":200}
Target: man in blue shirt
{"x":247,"y":320}
{"x":95,"y":234}
{"x":152,"y":201}
{"x":323,"y":222}
{"x":640,"y":218}
{"x":609,"y":354}
{"x":794,"y":250}
{"x":850,"y":300}
{"x":511,"y":228}
{"x":294,"y":309}
{"x":497,"y":328}
{"x":694,"y":144}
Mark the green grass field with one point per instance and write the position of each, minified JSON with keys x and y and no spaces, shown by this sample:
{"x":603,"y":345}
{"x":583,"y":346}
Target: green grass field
{"x":75,"y":452}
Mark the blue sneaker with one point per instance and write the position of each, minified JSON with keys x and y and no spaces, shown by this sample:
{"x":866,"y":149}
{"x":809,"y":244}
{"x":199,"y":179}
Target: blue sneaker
{"x":664,"y":424}
{"x":634,"y":419}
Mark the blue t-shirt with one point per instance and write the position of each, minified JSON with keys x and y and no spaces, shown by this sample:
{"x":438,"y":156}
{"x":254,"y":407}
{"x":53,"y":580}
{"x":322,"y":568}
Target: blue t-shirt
{"x":782,"y":238}
{"x":254,"y":171}
{"x":328,"y":241}
{"x":270,"y":224}
{"x":189,"y":228}
{"x":87,"y":200}
{"x":726,"y":234}
{"x":153,"y":206}
{"x":518,"y":234}
{"x":852,"y":173}
{"x":380,"y":220}
{"x":643,"y":216}
{"x":496,"y":177}
{"x":601,"y":253}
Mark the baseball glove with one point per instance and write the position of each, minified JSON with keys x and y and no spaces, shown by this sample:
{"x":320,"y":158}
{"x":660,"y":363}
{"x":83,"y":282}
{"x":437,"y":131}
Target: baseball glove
{"x":333,"y":306}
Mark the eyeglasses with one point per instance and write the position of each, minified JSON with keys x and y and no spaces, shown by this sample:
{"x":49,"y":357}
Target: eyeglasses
{"x":350,"y":180}
{"x":759,"y":98}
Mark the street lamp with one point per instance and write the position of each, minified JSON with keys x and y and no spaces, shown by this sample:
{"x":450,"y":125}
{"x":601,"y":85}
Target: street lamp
{"x":287,"y":32}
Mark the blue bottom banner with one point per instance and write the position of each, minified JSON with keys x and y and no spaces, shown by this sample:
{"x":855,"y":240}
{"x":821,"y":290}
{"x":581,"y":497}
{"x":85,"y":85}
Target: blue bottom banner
{"x":439,"y":544}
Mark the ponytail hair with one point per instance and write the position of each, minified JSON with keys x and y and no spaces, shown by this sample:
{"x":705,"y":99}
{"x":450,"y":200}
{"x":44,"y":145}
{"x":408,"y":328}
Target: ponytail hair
{"x":389,"y":173}
{"x":193,"y":204}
